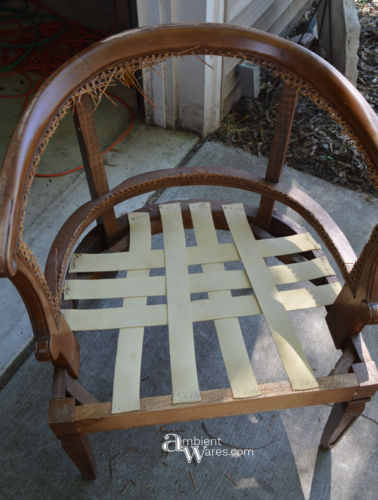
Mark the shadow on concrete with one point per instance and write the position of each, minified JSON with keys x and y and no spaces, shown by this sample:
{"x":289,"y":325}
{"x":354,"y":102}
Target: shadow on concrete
{"x":321,"y":480}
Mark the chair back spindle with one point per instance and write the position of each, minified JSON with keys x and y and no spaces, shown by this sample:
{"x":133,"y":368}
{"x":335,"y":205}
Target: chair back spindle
{"x":93,"y":162}
{"x":280,"y":142}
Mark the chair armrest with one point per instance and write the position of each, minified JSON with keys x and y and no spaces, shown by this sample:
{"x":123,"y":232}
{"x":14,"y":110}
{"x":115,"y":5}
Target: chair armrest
{"x":17,"y":173}
{"x":8,"y":264}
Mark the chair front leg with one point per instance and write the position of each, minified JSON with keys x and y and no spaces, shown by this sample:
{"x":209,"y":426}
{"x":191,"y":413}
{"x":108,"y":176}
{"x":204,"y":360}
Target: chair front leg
{"x":341,"y":419}
{"x":78,"y":448}
{"x":344,"y":415}
{"x":62,"y":423}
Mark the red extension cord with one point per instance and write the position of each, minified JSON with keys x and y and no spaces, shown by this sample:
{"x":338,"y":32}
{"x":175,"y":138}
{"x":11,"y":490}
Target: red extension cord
{"x":44,"y":58}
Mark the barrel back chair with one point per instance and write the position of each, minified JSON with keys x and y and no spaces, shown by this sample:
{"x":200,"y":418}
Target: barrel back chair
{"x":115,"y":244}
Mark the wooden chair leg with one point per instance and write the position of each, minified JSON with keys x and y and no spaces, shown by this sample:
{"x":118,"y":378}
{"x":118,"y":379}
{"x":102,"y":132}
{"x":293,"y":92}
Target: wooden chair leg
{"x":341,"y":419}
{"x":62,"y":422}
{"x":78,"y":448}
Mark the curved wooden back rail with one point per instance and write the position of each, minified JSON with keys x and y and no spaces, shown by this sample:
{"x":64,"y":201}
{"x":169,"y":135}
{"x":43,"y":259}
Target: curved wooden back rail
{"x":92,"y":70}
{"x":299,"y":68}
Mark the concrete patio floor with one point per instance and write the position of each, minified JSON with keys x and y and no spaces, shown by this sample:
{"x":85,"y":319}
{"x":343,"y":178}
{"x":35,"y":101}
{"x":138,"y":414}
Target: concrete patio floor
{"x":287,"y":462}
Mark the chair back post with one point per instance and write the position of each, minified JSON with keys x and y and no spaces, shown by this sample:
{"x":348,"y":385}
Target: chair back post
{"x":93,"y":163}
{"x":278,"y":150}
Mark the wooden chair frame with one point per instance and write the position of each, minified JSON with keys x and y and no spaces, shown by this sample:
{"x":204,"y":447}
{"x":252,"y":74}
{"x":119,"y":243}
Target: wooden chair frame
{"x":73,"y":411}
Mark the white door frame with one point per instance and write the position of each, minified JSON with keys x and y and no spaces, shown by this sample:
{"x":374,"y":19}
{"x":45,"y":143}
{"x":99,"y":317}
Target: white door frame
{"x":189,"y":96}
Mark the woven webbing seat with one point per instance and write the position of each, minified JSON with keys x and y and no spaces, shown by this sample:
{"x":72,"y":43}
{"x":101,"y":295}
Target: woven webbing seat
{"x":180,"y":312}
{"x":236,"y":279}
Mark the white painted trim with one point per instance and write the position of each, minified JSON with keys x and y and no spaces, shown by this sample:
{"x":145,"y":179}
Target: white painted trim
{"x":193,"y":96}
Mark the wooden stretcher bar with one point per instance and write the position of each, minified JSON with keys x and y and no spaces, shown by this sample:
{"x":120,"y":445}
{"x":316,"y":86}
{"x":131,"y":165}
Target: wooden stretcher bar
{"x":220,"y":402}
